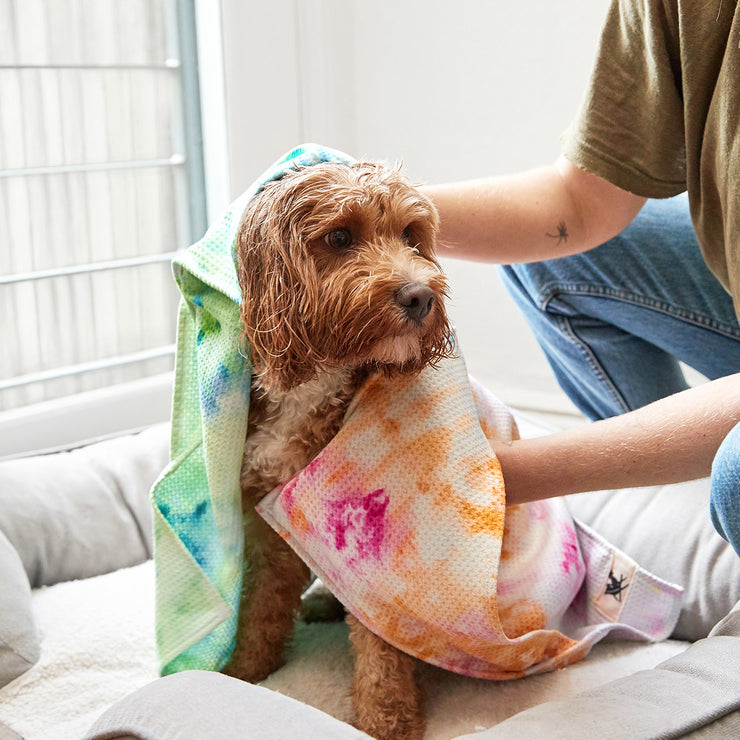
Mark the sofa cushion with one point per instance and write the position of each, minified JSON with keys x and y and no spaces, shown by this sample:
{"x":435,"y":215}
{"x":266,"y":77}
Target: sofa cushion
{"x":82,"y":513}
{"x":19,"y":645}
{"x":199,"y":704}
{"x":695,"y":693}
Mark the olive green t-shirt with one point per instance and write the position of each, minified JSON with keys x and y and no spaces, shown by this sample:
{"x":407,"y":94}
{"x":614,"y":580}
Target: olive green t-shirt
{"x":662,"y":115}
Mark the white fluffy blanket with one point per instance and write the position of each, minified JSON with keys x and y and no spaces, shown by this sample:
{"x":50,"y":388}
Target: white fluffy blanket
{"x":98,"y":646}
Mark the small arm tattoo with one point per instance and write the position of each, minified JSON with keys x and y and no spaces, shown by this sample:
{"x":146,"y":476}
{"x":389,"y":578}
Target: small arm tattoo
{"x":562,"y":235}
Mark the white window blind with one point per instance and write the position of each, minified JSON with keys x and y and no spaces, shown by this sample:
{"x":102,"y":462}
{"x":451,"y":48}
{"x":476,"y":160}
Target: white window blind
{"x":101,"y":181}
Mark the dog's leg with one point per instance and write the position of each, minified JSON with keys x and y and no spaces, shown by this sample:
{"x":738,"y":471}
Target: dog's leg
{"x":276,"y":577}
{"x":386,"y":699}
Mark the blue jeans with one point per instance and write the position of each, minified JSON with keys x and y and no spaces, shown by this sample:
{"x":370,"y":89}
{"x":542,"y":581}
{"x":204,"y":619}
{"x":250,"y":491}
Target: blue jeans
{"x":615,"y":321}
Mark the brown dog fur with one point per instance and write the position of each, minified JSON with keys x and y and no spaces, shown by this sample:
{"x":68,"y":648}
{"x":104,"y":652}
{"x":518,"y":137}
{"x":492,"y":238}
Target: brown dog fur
{"x":334,"y":261}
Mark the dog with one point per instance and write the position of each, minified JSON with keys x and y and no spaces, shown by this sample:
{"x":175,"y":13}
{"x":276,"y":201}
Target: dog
{"x":339,"y":279}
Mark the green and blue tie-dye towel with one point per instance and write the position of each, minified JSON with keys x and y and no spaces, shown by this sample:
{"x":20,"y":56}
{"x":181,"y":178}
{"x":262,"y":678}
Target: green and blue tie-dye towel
{"x":197,"y":505}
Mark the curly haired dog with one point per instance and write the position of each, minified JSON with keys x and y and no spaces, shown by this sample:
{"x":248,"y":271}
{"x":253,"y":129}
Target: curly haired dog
{"x":339,"y":279}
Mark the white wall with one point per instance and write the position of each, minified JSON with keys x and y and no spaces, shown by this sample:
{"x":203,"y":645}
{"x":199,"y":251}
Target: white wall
{"x":454,"y":89}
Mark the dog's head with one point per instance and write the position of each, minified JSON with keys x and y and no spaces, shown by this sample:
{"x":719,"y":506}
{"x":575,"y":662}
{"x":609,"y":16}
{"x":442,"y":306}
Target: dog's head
{"x":337,"y":269}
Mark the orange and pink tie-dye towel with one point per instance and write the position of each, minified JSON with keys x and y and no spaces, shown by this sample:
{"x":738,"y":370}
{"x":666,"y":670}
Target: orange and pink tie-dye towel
{"x":403,"y":516}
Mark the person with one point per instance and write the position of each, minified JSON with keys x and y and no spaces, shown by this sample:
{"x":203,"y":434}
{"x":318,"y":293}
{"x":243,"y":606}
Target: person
{"x":624,"y":257}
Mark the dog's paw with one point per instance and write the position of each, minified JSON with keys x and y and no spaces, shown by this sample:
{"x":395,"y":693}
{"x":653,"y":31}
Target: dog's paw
{"x":397,"y":724}
{"x":237,"y":671}
{"x":318,"y":604}
{"x":252,"y":667}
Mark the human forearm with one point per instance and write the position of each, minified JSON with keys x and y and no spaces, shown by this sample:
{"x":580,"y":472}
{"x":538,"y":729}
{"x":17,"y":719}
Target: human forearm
{"x":545,"y":213}
{"x":671,"y":440}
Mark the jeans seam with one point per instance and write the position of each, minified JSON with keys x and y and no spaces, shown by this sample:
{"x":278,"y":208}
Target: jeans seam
{"x":592,"y":361}
{"x":706,"y":322}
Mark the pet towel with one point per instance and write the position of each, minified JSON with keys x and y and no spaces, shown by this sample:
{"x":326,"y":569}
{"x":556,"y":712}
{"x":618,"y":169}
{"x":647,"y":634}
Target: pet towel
{"x":198,"y":534}
{"x":403,"y":516}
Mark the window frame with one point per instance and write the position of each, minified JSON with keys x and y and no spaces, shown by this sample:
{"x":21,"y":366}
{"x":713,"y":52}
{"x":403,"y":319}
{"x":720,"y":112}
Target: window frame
{"x":194,"y":44}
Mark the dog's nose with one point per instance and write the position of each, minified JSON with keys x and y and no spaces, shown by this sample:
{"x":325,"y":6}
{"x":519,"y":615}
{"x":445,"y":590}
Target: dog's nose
{"x":416,"y":300}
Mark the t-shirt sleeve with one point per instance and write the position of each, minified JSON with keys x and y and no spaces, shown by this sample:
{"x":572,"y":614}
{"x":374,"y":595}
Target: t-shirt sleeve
{"x":630,"y":127}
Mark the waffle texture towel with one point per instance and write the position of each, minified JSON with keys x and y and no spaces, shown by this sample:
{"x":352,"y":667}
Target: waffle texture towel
{"x":403,"y":516}
{"x":197,"y":505}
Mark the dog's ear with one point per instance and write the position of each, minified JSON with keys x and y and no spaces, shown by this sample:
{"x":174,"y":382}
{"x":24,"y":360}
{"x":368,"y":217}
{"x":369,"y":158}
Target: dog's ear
{"x":273,"y":292}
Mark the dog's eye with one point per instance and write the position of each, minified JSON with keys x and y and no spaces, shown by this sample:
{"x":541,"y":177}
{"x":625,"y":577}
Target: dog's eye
{"x":406,"y":234}
{"x":339,"y":238}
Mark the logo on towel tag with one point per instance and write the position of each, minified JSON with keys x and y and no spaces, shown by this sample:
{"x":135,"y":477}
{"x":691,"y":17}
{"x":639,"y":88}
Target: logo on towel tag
{"x":614,"y":594}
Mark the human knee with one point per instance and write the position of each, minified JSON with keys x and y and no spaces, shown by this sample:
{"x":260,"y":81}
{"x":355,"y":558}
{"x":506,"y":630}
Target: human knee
{"x":725,"y":489}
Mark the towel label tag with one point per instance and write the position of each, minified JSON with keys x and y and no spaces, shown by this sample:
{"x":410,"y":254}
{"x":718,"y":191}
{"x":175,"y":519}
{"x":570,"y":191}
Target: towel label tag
{"x":615,"y":591}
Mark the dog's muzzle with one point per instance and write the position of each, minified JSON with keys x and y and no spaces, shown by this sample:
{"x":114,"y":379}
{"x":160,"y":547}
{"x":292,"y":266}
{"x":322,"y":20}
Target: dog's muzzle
{"x":416,"y":300}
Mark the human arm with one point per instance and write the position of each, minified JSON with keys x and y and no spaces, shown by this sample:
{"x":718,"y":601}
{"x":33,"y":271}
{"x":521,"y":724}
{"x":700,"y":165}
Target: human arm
{"x":671,"y":440}
{"x":521,"y":218}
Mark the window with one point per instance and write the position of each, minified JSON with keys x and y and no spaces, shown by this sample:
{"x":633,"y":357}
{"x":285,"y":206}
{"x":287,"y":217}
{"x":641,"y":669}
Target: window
{"x":101,"y":181}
